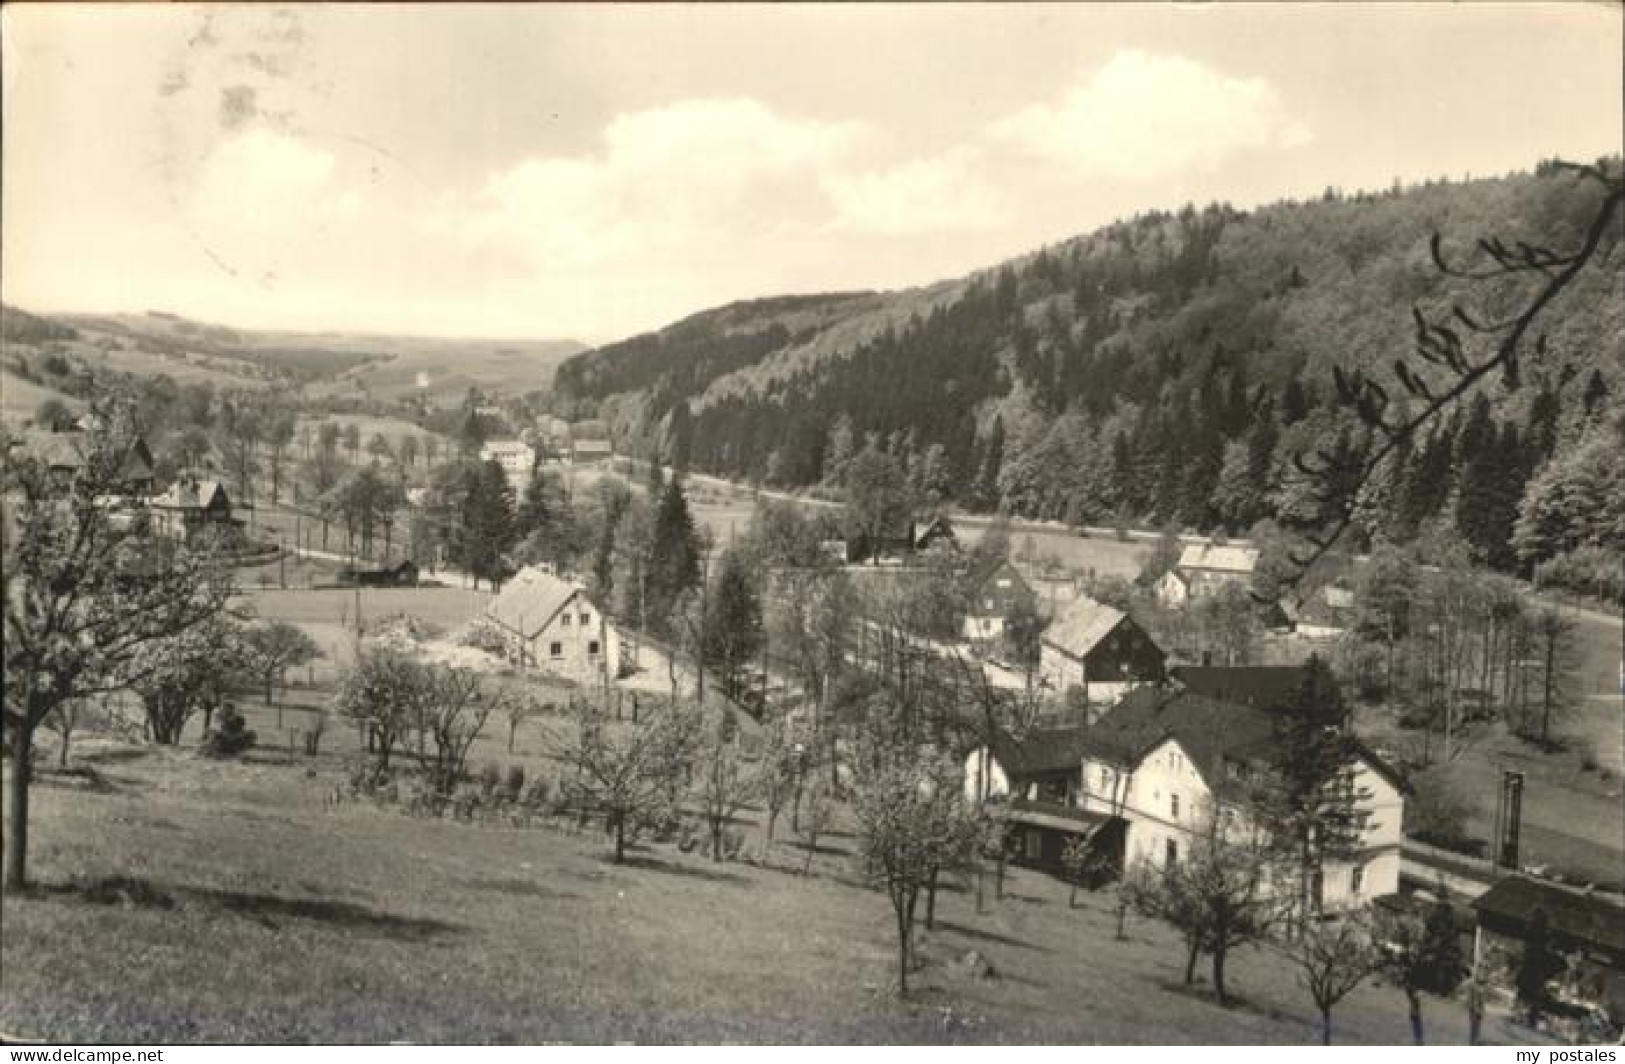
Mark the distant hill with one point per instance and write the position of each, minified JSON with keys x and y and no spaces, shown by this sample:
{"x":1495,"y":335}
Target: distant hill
{"x":378,"y":366}
{"x":1163,"y":368}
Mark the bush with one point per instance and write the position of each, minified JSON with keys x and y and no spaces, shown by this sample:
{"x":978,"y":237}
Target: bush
{"x":1438,"y":812}
{"x":231,"y":735}
{"x":516,"y":781}
{"x":490,"y":779}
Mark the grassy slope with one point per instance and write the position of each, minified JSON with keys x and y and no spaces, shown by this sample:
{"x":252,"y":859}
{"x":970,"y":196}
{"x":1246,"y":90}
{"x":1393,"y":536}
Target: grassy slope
{"x":249,"y":911}
{"x":19,"y":398}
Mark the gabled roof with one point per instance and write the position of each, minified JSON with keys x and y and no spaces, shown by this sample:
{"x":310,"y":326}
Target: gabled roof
{"x":1258,"y":686}
{"x":67,"y":450}
{"x":191,"y":495}
{"x":1040,"y":750}
{"x":1005,"y":586}
{"x":1581,"y":917}
{"x":1081,"y":625}
{"x":937,"y":526}
{"x":1208,"y":557}
{"x":529,"y":602}
{"x":1210,"y":731}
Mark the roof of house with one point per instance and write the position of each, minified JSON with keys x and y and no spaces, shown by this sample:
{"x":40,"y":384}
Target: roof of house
{"x":1081,"y":624}
{"x":67,"y":450}
{"x":191,"y":495}
{"x":592,"y":447}
{"x":1208,"y":729}
{"x":1329,"y":607}
{"x":528,"y":603}
{"x":1212,"y":558}
{"x":1259,"y":686}
{"x":500,"y":446}
{"x":1040,"y":750}
{"x":1587,"y":918}
{"x":937,"y":526}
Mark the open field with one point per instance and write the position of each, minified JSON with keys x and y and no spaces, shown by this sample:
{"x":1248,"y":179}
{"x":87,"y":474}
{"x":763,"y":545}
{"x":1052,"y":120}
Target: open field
{"x":188,"y":900}
{"x":19,"y":398}
{"x":328,"y":614}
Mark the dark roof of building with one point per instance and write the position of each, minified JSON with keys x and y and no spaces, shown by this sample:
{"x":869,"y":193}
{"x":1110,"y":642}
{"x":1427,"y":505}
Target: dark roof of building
{"x":1259,"y":686}
{"x":1040,"y":750}
{"x":1210,"y":731}
{"x":67,"y":450}
{"x":191,"y":495}
{"x":1587,"y":918}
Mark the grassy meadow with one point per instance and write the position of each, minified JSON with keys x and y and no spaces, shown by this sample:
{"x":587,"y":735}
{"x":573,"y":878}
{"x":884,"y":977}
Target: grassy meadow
{"x":181,"y":899}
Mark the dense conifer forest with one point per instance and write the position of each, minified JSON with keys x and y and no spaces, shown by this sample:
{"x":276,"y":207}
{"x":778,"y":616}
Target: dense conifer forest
{"x":1165,"y":369}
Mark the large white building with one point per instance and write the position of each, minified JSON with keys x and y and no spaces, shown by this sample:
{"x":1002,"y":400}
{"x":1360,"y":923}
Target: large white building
{"x":1156,"y":770}
{"x":516,"y":457}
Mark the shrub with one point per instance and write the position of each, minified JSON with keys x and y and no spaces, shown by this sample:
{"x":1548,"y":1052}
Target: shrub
{"x":733,"y":841}
{"x":229,"y":737}
{"x":537,"y":793}
{"x":516,"y":781}
{"x":1438,"y":813}
{"x":490,"y":779}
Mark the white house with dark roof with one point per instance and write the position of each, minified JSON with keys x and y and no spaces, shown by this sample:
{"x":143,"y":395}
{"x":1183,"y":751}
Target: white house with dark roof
{"x":1203,"y":569}
{"x":1142,"y":781}
{"x":550,"y":625}
{"x":1166,"y":760}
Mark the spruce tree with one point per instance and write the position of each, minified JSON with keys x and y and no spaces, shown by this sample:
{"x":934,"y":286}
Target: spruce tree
{"x":674,"y":561}
{"x":1310,"y":801}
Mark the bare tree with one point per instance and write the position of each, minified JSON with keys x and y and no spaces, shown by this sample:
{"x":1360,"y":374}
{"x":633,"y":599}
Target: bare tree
{"x":451,"y":708}
{"x":631,"y":774}
{"x":1334,"y":957}
{"x":914,"y":822}
{"x":1218,"y":896}
{"x":271,"y":648}
{"x":725,"y":784}
{"x":83,"y":600}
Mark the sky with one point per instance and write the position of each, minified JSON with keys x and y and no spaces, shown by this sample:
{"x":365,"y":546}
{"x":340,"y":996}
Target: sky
{"x":594,"y":171}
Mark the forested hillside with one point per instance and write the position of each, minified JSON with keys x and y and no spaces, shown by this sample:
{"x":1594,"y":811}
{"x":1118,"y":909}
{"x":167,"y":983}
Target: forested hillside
{"x":1165,"y":369}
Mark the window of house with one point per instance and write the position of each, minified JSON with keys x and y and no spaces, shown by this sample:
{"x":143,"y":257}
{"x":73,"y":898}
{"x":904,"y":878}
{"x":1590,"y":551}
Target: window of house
{"x":565,"y":620}
{"x":1170,"y":853}
{"x":592,"y":648}
{"x":586,"y":618}
{"x":1357,"y":878}
{"x":556,"y":649}
{"x":1173,"y":806}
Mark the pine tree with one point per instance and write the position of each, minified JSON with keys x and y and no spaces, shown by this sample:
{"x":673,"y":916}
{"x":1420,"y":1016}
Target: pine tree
{"x":487,"y":530}
{"x":733,"y":625}
{"x":1310,"y":801}
{"x":674,"y":562}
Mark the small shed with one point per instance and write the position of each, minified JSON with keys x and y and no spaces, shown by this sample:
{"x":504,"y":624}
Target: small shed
{"x":1583,"y":923}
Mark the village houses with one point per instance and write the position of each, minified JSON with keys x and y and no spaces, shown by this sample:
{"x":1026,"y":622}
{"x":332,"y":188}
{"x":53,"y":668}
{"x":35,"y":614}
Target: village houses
{"x":1205,"y":569}
{"x":548,"y":624}
{"x":1001,"y":594}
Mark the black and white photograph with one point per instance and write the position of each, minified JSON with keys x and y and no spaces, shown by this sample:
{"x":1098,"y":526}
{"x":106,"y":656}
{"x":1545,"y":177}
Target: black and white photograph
{"x":606,"y":524}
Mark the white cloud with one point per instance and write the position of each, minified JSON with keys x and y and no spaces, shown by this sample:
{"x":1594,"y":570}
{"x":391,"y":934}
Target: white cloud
{"x":261,"y":180}
{"x":664,"y":179}
{"x":918,"y":196}
{"x":1145,"y":116}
